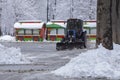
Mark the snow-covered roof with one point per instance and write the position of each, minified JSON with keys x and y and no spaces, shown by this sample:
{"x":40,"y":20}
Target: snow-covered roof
{"x":61,"y":24}
{"x":92,"y":24}
{"x":28,"y":25}
{"x":90,"y":21}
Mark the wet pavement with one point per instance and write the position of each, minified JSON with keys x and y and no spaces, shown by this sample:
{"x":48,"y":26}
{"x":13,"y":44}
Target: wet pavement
{"x":44,"y":59}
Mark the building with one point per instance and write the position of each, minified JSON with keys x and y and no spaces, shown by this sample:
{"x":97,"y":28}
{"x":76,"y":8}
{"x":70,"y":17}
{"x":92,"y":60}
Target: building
{"x":30,"y":30}
{"x":55,"y":30}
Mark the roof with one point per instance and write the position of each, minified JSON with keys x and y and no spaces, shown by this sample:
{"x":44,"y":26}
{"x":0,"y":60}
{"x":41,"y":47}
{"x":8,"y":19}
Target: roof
{"x":90,"y":21}
{"x":56,"y":25}
{"x":28,"y":25}
{"x":93,"y":24}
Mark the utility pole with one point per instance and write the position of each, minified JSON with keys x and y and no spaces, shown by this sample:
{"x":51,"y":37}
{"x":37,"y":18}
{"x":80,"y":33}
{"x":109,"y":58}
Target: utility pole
{"x":47,"y":10}
{"x":90,"y":8}
{"x":71,"y":9}
{"x":54,"y":10}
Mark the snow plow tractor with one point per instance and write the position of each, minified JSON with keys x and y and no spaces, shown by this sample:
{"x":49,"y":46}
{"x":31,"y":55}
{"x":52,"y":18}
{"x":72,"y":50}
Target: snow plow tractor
{"x":75,"y":37}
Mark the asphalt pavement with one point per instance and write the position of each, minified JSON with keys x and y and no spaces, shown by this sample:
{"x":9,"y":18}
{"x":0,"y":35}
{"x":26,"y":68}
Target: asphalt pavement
{"x":44,"y":59}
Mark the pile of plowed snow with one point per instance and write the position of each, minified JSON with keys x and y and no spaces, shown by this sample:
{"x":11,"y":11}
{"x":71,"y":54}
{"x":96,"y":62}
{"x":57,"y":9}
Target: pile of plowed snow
{"x":93,"y":63}
{"x":7,"y":38}
{"x":12,"y":56}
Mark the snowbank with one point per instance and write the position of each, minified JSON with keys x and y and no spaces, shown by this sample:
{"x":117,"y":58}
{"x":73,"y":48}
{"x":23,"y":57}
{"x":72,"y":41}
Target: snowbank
{"x":95,"y":63}
{"x":12,"y":56}
{"x":7,"y":38}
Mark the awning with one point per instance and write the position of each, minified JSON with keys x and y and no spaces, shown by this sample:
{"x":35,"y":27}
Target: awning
{"x":55,"y":25}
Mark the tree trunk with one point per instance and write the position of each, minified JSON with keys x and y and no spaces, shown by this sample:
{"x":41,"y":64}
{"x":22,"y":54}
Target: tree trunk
{"x":116,"y":21}
{"x":104,"y":23}
{"x":0,"y":28}
{"x":0,"y":31}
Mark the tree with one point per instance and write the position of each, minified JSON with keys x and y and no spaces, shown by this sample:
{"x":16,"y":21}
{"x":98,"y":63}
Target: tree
{"x":116,"y":21}
{"x":108,"y":22}
{"x":104,"y":23}
{"x":0,"y":21}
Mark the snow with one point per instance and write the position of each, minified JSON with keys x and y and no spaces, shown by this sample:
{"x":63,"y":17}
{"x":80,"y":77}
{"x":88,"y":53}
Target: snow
{"x":12,"y":56}
{"x":58,"y":20}
{"x":93,"y":63}
{"x":90,"y":24}
{"x":34,"y":21}
{"x":61,"y":24}
{"x":7,"y":38}
{"x":15,"y":10}
{"x":58,"y":23}
{"x":29,"y":25}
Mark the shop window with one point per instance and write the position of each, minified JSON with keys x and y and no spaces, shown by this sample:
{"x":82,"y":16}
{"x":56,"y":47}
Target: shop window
{"x":28,"y":32}
{"x":21,"y":32}
{"x":53,"y":32}
{"x":36,"y":32}
{"x":61,"y":31}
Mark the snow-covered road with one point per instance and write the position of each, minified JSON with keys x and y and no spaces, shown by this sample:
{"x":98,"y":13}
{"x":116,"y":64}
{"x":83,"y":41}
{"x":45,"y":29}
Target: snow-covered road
{"x":44,"y":59}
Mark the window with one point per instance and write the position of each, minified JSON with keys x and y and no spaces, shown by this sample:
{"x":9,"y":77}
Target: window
{"x":21,"y":32}
{"x":53,"y":31}
{"x":28,"y":32}
{"x":61,"y":31}
{"x":36,"y":32}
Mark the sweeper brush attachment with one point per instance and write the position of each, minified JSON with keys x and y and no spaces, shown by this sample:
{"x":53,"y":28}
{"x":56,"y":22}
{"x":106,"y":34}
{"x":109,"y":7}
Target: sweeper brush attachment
{"x":70,"y":46}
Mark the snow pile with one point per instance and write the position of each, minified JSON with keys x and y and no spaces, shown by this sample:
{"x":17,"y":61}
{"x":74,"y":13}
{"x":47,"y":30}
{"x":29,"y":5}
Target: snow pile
{"x":12,"y":56}
{"x":7,"y":38}
{"x":94,"y":63}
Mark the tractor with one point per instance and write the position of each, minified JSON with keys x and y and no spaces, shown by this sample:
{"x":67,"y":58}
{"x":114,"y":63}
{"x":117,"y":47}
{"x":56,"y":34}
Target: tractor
{"x":75,"y":36}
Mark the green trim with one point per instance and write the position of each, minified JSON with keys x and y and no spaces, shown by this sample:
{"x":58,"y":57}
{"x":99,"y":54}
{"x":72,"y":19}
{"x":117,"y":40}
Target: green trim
{"x":91,"y":38}
{"x":58,"y":39}
{"x":28,"y":39}
{"x":56,"y":26}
